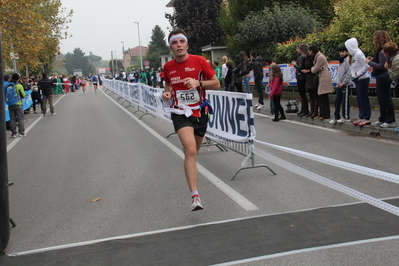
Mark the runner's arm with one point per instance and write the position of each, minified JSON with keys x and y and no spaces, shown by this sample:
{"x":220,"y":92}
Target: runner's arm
{"x":211,"y":84}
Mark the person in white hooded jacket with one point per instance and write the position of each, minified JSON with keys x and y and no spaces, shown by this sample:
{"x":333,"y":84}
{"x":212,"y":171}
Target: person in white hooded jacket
{"x":361,"y":78}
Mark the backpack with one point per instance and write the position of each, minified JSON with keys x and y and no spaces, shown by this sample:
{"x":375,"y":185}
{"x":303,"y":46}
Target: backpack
{"x":11,"y":93}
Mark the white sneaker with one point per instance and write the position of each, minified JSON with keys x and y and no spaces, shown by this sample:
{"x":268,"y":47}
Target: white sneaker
{"x":387,"y":125}
{"x":22,"y":135}
{"x":260,"y":107}
{"x":256,"y":105}
{"x":333,"y":121}
{"x":196,"y":204}
{"x":376,"y":123}
{"x":343,"y":120}
{"x":53,"y":114}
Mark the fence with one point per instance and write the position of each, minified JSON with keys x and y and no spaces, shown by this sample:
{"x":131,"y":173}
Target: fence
{"x":232,"y":127}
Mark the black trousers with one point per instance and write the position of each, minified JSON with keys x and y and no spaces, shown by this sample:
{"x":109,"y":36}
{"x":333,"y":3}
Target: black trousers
{"x":259,"y":89}
{"x":302,"y":93}
{"x":387,"y":111}
{"x":277,"y":107}
{"x":324,"y":106}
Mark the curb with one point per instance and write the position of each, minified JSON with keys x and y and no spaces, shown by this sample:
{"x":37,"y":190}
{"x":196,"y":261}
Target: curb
{"x":376,"y":132}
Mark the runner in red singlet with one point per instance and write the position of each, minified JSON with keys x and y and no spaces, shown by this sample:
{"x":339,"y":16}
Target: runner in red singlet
{"x":185,"y":85}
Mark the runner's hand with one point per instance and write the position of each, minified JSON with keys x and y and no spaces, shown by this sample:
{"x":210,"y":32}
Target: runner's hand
{"x":166,"y":96}
{"x":191,"y":83}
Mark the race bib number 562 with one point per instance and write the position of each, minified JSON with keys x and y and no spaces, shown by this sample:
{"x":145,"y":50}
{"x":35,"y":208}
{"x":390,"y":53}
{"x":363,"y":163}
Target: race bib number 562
{"x":188,"y":97}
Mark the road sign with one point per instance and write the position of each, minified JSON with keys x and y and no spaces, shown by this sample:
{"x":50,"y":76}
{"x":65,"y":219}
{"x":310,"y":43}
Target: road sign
{"x":146,"y":63}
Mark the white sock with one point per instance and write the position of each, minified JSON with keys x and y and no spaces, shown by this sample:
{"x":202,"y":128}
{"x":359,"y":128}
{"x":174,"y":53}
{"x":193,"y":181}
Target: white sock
{"x":194,"y":193}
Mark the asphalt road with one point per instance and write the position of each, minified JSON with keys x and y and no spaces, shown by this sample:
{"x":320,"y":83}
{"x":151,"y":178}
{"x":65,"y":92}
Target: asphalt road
{"x":95,"y":171}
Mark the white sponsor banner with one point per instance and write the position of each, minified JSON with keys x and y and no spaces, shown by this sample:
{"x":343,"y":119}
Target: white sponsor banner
{"x":233,"y":118}
{"x":289,"y":78}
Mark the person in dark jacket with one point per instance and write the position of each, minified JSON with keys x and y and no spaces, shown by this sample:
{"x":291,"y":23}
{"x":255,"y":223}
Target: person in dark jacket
{"x":257,"y":67}
{"x":46,"y":86}
{"x":36,"y":96}
{"x":387,"y":110}
{"x":302,"y":50}
{"x":229,"y":76}
{"x":237,"y":75}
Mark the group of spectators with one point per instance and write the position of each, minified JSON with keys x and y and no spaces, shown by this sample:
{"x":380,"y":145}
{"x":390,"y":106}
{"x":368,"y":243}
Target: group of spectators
{"x":150,"y":77}
{"x":42,"y":90}
{"x":314,"y":81}
{"x":313,"y":77}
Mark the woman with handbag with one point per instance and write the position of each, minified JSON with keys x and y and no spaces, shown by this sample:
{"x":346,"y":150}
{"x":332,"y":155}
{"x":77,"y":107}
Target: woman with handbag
{"x":324,"y":87}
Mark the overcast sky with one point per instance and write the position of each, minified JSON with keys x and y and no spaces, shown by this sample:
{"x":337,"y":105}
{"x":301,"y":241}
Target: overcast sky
{"x":100,"y":26}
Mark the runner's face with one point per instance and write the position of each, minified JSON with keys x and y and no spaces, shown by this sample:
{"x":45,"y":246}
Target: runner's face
{"x":179,"y":47}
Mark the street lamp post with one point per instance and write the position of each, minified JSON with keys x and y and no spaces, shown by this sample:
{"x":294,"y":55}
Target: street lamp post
{"x":141,"y":54}
{"x":123,"y":54}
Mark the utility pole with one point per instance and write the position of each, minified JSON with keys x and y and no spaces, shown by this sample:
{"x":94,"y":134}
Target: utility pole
{"x":141,"y":54}
{"x":112,"y":65}
{"x":123,"y":55}
{"x":4,"y":200}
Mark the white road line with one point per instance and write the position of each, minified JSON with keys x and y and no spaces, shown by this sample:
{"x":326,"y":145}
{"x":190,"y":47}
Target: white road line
{"x":13,"y":143}
{"x":90,"y":242}
{"x":229,"y":191}
{"x":276,"y":255}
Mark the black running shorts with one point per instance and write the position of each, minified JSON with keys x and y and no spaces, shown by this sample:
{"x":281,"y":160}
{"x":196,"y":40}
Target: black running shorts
{"x":198,"y":123}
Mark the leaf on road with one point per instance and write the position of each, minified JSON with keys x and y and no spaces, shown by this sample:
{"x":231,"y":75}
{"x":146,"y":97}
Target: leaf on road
{"x":95,"y":200}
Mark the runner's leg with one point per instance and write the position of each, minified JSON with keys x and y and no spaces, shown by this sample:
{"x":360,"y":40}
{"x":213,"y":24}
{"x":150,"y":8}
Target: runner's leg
{"x":191,"y":144}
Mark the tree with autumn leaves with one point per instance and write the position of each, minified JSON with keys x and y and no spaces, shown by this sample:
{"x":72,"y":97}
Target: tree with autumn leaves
{"x":34,"y":28}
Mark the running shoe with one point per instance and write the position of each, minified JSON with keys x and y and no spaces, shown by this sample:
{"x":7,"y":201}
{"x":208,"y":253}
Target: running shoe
{"x":376,"y":123}
{"x":396,"y":129}
{"x":364,"y":122}
{"x":260,"y":107}
{"x":196,"y":204}
{"x":387,"y":125}
{"x":13,"y":135}
{"x":53,"y":114}
{"x":22,"y":135}
{"x":256,"y":105}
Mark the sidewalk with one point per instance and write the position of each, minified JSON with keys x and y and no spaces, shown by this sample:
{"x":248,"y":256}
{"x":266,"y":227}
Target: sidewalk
{"x":387,"y":133}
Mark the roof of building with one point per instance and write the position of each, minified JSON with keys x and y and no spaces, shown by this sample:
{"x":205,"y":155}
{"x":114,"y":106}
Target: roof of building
{"x":171,"y":3}
{"x":135,"y":51}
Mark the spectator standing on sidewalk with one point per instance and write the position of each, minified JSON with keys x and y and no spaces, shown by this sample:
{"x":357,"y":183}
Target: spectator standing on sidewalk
{"x":311,"y":87}
{"x":383,"y":88}
{"x":245,"y":70}
{"x":16,"y":111}
{"x":218,"y":71}
{"x":237,"y":78}
{"x":299,"y":64}
{"x":391,"y":51}
{"x":342,"y":94}
{"x":36,"y":96}
{"x":257,"y":67}
{"x":324,"y":87}
{"x":46,"y":88}
{"x":224,"y":70}
{"x":276,"y":89}
{"x":228,"y":79}
{"x":359,"y":76}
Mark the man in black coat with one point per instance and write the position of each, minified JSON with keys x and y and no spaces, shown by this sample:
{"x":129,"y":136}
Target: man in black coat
{"x":257,"y":67}
{"x":46,"y":86}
